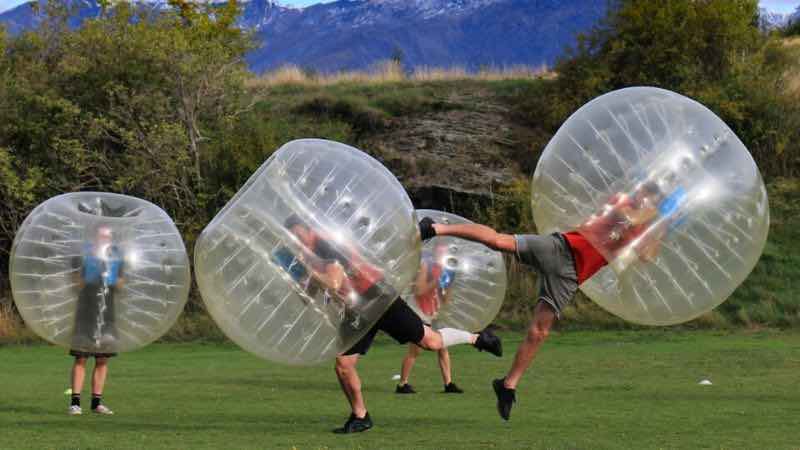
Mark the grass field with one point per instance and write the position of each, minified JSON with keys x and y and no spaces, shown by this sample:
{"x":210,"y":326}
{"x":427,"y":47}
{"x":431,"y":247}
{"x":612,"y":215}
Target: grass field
{"x":634,"y":390}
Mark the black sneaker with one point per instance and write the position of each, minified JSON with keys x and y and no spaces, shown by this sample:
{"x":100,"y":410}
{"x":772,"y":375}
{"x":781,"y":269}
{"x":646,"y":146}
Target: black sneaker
{"x":426,"y":230}
{"x":489,"y":342}
{"x":451,"y":388}
{"x":355,"y":425}
{"x":505,"y":398}
{"x":404,"y":389}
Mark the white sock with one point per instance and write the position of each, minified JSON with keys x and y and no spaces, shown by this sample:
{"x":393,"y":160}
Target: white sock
{"x":452,"y":336}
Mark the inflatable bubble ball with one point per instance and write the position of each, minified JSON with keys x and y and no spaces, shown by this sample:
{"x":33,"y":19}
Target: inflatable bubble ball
{"x":665,"y":191}
{"x":309,"y":253}
{"x":98,"y":272}
{"x":460,"y":284}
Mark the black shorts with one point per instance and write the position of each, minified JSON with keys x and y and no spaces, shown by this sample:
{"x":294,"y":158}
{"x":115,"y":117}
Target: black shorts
{"x":80,"y":354}
{"x":399,"y":321}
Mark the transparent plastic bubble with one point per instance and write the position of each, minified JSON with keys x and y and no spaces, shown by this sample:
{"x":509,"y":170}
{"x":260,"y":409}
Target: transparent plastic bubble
{"x":99,"y":272}
{"x":461,"y":284}
{"x":666,"y":192}
{"x":309,"y":254}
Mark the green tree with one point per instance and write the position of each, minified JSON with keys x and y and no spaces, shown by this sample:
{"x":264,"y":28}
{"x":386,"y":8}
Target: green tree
{"x":132,"y":101}
{"x":710,"y":50}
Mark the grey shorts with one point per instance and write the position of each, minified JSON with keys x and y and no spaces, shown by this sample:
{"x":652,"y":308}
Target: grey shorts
{"x":552,"y":258}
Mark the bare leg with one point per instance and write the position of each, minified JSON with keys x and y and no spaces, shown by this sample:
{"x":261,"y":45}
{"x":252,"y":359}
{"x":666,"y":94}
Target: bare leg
{"x":444,"y":365}
{"x":351,"y":383}
{"x":99,"y":375}
{"x":408,"y":363}
{"x":78,"y":374}
{"x":433,"y":341}
{"x":543,"y":319}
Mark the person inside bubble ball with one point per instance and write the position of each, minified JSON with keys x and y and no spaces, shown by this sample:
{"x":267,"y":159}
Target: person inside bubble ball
{"x":563,"y":261}
{"x":431,"y":292}
{"x":94,"y":333}
{"x":624,"y":220}
{"x":341,"y":276}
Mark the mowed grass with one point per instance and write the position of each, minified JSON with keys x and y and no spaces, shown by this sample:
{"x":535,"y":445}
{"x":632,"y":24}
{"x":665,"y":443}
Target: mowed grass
{"x":588,"y":390}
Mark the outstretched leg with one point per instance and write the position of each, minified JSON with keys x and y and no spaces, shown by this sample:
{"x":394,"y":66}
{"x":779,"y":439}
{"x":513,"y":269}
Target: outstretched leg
{"x":448,"y":337}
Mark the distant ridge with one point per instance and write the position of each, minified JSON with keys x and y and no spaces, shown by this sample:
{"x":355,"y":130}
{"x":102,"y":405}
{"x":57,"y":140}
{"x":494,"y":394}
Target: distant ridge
{"x":354,"y":34}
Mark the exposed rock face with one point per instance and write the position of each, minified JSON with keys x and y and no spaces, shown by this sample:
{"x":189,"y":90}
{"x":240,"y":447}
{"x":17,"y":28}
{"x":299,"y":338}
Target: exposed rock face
{"x":458,"y":157}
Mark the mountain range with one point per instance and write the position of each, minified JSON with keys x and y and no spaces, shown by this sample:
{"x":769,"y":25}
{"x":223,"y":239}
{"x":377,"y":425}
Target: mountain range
{"x":351,"y":34}
{"x":355,"y":34}
{"x":770,"y":20}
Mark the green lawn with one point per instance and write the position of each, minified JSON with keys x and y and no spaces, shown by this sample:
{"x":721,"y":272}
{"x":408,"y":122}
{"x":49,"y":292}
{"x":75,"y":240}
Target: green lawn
{"x":588,"y":390}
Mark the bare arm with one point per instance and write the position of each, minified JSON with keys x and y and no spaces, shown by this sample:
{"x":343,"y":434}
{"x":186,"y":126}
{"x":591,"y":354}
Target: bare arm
{"x":332,"y":276}
{"x":479,"y":233}
{"x":423,"y":284}
{"x":638,"y":216}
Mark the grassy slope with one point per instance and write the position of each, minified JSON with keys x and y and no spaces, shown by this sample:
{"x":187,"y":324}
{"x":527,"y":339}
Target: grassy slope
{"x":769,"y":297}
{"x":588,"y":390}
{"x":355,"y":112}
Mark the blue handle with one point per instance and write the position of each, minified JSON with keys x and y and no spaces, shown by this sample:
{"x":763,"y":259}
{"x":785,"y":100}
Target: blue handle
{"x":671,"y":205}
{"x":446,"y":278}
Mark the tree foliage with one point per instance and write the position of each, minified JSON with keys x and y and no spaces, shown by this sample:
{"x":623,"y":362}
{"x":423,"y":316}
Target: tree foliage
{"x":132,"y":102}
{"x":710,"y":50}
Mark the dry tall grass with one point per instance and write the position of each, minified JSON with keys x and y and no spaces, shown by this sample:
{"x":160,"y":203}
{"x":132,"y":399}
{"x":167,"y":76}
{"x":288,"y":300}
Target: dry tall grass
{"x":516,"y":72}
{"x":11,"y":327}
{"x":793,"y":78}
{"x":392,"y":72}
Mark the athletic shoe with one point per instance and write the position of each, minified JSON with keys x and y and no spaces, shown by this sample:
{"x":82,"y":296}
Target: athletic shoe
{"x":355,"y":425}
{"x":74,"y":410}
{"x":505,"y":398}
{"x":426,"y":230}
{"x":451,"y":388}
{"x":404,"y":389}
{"x":102,"y":409}
{"x":489,"y":342}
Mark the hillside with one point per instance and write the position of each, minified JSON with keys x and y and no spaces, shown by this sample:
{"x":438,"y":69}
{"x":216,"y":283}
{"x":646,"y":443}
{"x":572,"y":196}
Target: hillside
{"x":454,"y":140}
{"x":169,"y":113}
{"x":462,"y":146}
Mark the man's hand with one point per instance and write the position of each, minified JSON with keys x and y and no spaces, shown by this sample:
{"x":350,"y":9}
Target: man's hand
{"x":426,"y":230}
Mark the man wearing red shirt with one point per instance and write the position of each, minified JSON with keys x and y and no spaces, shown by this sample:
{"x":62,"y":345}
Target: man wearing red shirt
{"x":563,"y":261}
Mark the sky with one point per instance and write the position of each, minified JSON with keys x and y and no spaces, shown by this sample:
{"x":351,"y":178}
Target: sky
{"x":8,"y":4}
{"x":782,"y":6}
